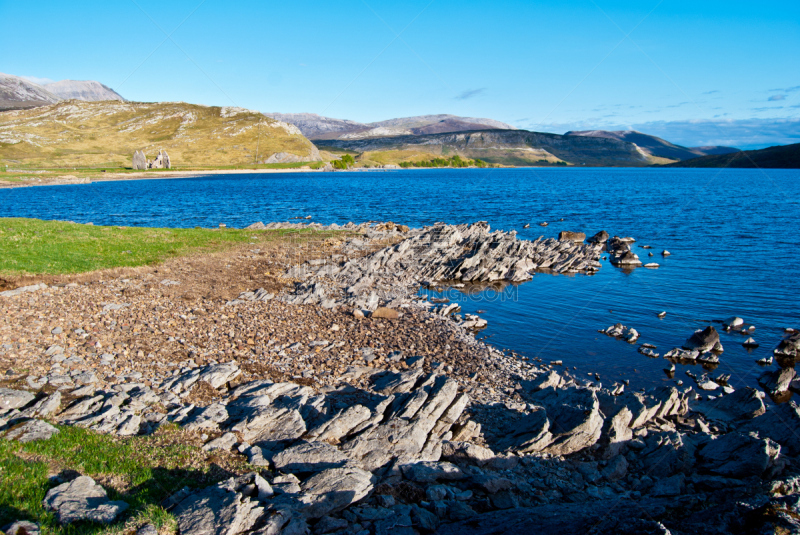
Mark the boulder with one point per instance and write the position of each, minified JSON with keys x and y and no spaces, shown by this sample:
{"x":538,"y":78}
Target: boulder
{"x":627,"y":259}
{"x":600,"y":237}
{"x":31,"y":431}
{"x":566,"y":235}
{"x":703,"y":340}
{"x":776,"y":382}
{"x":82,"y":499}
{"x":14,"y":399}
{"x":789,"y":346}
{"x":334,"y":489}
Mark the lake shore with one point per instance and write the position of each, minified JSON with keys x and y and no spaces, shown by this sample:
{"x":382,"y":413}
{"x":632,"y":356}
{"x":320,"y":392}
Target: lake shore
{"x":386,"y":412}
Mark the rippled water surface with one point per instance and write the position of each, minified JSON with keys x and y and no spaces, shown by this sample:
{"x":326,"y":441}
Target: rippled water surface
{"x":733,"y":235}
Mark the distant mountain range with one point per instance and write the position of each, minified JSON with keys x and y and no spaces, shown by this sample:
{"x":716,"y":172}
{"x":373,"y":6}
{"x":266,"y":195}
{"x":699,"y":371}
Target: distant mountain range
{"x":506,"y":147}
{"x":317,"y":127}
{"x":655,"y":146}
{"x":19,"y":93}
{"x":781,"y":157}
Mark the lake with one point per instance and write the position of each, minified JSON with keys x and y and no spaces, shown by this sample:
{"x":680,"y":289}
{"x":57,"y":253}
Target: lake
{"x":733,"y":235}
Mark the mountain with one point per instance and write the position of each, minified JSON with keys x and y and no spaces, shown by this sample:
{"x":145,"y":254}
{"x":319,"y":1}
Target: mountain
{"x":88,"y":90}
{"x":16,"y":92}
{"x":507,"y":147}
{"x":317,"y":127}
{"x":781,"y":157}
{"x":106,"y":134}
{"x":655,"y":146}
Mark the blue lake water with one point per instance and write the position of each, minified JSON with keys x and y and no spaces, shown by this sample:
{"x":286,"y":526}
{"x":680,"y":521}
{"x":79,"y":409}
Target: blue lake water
{"x":733,"y":235}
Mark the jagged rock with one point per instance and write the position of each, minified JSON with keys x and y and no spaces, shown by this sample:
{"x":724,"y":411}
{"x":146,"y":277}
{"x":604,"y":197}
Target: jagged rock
{"x":739,"y":455}
{"x":14,"y":399}
{"x":216,"y":511}
{"x":31,"y":431}
{"x":669,"y":486}
{"x":531,"y":433}
{"x":616,"y":469}
{"x":341,"y":424}
{"x":744,"y":404}
{"x":777,"y":382}
{"x":789,"y":346}
{"x":545,"y":380}
{"x":310,"y":457}
{"x":780,"y":423}
{"x":82,"y":499}
{"x":574,"y":416}
{"x":334,"y":489}
{"x":704,"y":340}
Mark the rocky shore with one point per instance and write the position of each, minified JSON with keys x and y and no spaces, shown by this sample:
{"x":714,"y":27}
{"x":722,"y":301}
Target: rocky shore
{"x":364,"y":408}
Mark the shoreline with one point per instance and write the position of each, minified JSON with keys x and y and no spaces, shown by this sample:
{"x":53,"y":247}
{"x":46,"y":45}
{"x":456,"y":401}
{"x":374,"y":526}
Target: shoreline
{"x":400,"y":409}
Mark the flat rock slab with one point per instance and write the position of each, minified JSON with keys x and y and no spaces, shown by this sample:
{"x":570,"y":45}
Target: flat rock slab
{"x":334,"y":489}
{"x":216,"y":511}
{"x":82,"y":499}
{"x":310,"y":457}
{"x":14,"y":399}
{"x":32,"y":431}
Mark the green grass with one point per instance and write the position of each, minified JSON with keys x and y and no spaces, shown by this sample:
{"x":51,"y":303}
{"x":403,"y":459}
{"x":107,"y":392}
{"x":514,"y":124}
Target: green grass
{"x":145,"y":471}
{"x":33,"y":246}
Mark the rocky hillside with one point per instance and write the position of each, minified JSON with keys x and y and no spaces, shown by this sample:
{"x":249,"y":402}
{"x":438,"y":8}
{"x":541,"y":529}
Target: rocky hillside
{"x":782,"y":157}
{"x":508,"y":147}
{"x":76,"y":134}
{"x":655,"y":146}
{"x":16,"y":92}
{"x":317,"y":127}
{"x":87,"y":90}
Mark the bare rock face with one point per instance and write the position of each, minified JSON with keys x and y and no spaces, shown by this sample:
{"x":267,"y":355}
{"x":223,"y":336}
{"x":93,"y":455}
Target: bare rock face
{"x":284,"y":157}
{"x":139,"y":160}
{"x":82,"y":499}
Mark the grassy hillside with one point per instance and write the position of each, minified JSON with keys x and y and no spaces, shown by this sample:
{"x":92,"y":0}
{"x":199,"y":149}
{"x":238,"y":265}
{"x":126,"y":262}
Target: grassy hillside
{"x":106,"y":134}
{"x":781,"y":157}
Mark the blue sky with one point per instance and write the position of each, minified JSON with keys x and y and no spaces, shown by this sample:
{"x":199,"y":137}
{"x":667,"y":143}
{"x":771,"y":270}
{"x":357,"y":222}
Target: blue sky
{"x":695,"y":73}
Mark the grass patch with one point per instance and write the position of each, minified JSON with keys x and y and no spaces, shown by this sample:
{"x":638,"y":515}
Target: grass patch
{"x":33,"y":246}
{"x":142,"y":471}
